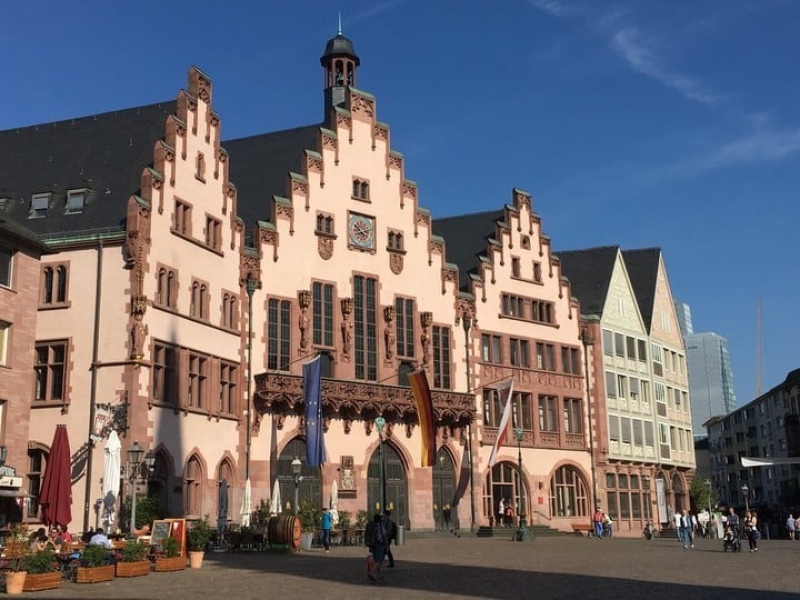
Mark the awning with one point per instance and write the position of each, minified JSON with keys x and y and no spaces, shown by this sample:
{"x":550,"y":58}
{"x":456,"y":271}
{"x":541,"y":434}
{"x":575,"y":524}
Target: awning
{"x":14,"y":494}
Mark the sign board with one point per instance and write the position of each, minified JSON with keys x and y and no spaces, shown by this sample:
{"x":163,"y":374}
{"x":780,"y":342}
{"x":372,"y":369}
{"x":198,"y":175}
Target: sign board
{"x":175,"y":528}
{"x":15,"y":482}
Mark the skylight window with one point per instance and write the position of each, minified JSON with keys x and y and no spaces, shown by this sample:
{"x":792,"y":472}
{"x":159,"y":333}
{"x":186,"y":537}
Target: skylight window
{"x":39,"y":205}
{"x":75,"y":201}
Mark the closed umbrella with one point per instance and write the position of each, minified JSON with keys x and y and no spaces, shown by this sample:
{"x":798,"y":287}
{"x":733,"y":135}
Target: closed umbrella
{"x":55,"y":496}
{"x":222,"y":515}
{"x":111,"y":467}
{"x":275,"y":501}
{"x":334,"y":502}
{"x":247,"y":504}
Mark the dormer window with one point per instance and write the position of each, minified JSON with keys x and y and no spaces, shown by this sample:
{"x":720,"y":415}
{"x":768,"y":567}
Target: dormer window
{"x":395,"y":241}
{"x":361,"y":189}
{"x":39,"y":205}
{"x":76,"y":200}
{"x":324,"y":223}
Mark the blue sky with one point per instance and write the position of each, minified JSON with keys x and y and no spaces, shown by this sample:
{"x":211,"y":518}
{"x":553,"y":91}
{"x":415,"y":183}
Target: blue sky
{"x":635,"y":123}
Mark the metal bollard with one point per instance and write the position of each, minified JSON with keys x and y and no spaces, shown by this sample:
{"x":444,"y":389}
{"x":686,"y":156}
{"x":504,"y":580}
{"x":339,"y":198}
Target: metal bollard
{"x":401,"y":535}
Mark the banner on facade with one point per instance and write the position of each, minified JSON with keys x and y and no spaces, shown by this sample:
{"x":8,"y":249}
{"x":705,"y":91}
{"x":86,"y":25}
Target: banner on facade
{"x":502,"y":429}
{"x":661,"y":498}
{"x":312,"y":396}
{"x":422,"y":397}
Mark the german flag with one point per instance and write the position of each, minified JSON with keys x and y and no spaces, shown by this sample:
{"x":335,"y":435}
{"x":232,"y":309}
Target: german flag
{"x":422,"y":397}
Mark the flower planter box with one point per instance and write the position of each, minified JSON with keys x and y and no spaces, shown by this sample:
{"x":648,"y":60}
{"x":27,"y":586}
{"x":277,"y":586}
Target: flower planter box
{"x":42,"y":581}
{"x":178,"y":563}
{"x":136,"y":568}
{"x":95,"y":574}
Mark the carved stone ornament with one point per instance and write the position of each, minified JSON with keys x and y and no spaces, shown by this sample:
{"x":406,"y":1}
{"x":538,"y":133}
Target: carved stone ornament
{"x":426,"y":319}
{"x":325,"y":247}
{"x":347,"y":327}
{"x":381,"y":133}
{"x":281,"y":395}
{"x":388,"y":332}
{"x":396,"y":262}
{"x":304,"y":299}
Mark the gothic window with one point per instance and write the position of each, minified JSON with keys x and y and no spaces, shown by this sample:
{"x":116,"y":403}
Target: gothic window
{"x":365,"y":325}
{"x":568,"y":494}
{"x":322,"y":312}
{"x":278,"y":334}
{"x":50,"y":369}
{"x":441,"y":357}
{"x":405,"y":310}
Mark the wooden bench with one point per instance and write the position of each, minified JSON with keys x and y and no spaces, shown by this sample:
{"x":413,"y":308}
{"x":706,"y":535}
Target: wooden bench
{"x":579,"y":528}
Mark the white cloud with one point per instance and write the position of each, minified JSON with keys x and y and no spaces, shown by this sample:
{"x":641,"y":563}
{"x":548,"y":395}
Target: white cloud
{"x":630,"y":46}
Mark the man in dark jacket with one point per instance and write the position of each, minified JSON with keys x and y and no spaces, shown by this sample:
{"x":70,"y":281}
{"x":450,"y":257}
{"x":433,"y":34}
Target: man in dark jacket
{"x":391,"y":528}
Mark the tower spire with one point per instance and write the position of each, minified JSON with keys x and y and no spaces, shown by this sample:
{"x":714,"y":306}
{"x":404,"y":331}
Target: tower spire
{"x":339,"y":32}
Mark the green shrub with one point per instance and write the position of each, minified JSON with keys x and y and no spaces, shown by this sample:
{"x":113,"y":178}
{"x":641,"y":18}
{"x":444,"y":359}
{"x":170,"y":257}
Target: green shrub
{"x":134,"y":551}
{"x":362,"y":518}
{"x":308,"y":515}
{"x":199,"y":535}
{"x":94,"y":555}
{"x":345,"y":519}
{"x":171,"y":547}
{"x":42,"y":561}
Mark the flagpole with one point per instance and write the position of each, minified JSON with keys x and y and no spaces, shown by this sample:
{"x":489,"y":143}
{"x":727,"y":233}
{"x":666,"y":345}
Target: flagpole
{"x":467,"y":322}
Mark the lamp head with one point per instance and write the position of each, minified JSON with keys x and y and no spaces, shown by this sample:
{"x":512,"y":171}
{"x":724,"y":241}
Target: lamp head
{"x":296,"y":466}
{"x":467,"y":322}
{"x":380,"y":423}
{"x":135,"y":454}
{"x":518,"y":433}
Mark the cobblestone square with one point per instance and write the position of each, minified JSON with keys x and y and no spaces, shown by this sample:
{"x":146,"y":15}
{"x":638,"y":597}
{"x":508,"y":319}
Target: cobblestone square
{"x":545,"y":568}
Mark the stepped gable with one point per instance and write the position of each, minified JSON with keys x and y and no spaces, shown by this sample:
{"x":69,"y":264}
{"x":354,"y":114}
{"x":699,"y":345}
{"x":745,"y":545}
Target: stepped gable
{"x":642,"y":268}
{"x":465,"y":240}
{"x":589,"y":272}
{"x":103,"y":153}
{"x":260,"y":167}
{"x":21,"y":235}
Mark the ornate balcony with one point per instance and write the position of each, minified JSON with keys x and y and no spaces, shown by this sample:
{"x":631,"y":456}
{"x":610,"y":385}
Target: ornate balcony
{"x":281,"y":395}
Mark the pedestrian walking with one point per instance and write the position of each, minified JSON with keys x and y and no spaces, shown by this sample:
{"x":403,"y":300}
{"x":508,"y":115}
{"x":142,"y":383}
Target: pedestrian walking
{"x":791,"y":525}
{"x":390,"y":527}
{"x":375,"y":538}
{"x":598,"y":523}
{"x":686,"y":530}
{"x":326,"y":523}
{"x":751,"y":529}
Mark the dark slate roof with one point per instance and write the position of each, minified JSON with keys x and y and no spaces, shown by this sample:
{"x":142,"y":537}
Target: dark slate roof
{"x":104,"y":153}
{"x":642,"y":268}
{"x":21,"y":235}
{"x":339,"y":46}
{"x":589,"y":272}
{"x":465,"y":239}
{"x":259,"y":167}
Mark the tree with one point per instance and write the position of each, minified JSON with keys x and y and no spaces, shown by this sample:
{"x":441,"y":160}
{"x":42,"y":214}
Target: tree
{"x":703,"y":494}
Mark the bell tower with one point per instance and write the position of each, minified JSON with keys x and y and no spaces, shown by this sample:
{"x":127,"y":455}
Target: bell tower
{"x":339,"y":64}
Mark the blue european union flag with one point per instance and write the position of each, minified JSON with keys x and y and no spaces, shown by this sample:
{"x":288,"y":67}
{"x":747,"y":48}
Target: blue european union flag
{"x":312,"y":396}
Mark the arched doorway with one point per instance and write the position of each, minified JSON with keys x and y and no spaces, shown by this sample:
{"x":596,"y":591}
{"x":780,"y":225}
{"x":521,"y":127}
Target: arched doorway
{"x":309,"y":487}
{"x":569,"y":495}
{"x":503,"y":483}
{"x":158,"y":483}
{"x":677,"y":493}
{"x":444,"y":485}
{"x":396,"y":485}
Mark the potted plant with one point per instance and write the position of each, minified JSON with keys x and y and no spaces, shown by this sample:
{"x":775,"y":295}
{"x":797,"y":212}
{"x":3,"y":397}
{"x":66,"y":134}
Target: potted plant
{"x":345,"y":523}
{"x":42,"y":569}
{"x":197,"y":540}
{"x":16,"y":547}
{"x":362,"y":518}
{"x":171,"y":559}
{"x":96,"y":565}
{"x":134,"y":561}
{"x":308,"y":517}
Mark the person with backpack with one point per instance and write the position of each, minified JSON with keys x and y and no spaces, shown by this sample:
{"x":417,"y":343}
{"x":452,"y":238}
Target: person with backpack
{"x":391,"y":529}
{"x":376,"y":539}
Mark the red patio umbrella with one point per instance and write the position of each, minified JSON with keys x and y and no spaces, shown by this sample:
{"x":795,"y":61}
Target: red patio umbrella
{"x":55,"y":497}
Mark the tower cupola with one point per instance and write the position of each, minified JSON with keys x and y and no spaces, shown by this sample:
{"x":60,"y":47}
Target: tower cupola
{"x":339,"y":62}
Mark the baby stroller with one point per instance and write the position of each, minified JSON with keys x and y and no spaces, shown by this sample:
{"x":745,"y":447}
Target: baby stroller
{"x":732,"y":540}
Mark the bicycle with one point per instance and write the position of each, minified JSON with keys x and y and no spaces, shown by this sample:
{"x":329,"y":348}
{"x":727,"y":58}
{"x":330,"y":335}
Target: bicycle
{"x":649,"y":532}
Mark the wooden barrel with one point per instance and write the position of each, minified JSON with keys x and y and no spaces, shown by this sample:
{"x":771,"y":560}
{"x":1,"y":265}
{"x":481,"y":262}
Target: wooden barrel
{"x":284,"y":530}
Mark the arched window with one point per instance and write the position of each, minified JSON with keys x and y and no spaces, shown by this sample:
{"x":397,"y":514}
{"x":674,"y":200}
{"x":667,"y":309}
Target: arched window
{"x":61,"y":284}
{"x":158,"y":482}
{"x":568,"y":495}
{"x":47,"y":287}
{"x":225,"y":497}
{"x":193,"y":487}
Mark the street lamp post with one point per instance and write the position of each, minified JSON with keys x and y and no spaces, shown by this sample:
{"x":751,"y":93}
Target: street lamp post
{"x":523,"y":529}
{"x":746,"y":494}
{"x":586,"y":340}
{"x":467,"y":323}
{"x":710,"y":533}
{"x":380,"y":423}
{"x":136,"y":469}
{"x":297,"y":466}
{"x":250,"y":285}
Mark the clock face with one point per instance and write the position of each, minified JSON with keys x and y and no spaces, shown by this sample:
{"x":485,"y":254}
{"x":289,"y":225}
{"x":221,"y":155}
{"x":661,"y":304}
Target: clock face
{"x":361,"y":231}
